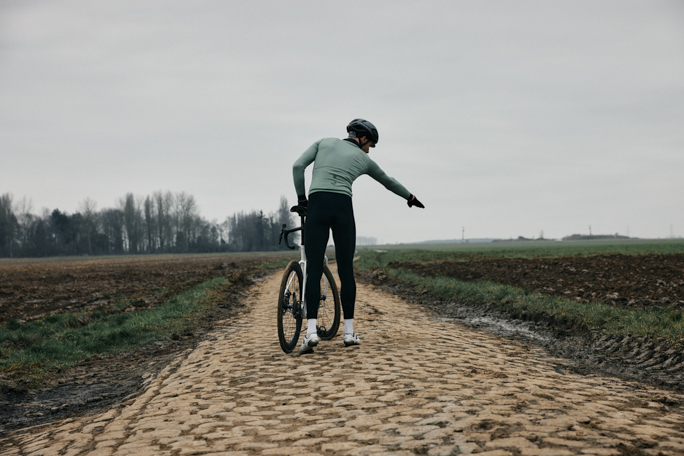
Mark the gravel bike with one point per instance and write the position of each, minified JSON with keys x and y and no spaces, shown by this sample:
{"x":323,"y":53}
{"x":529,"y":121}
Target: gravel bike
{"x":291,"y":303}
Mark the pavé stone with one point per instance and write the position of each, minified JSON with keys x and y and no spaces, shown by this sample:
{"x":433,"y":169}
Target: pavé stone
{"x":512,"y":442}
{"x":495,"y":453}
{"x":393,"y":440}
{"x":564,"y":442}
{"x":256,"y":446}
{"x":545,"y":452}
{"x":283,"y":436}
{"x":298,"y":451}
{"x":100,"y":452}
{"x":365,"y":436}
{"x":339,"y":431}
{"x":363,"y":421}
{"x":419,"y":445}
{"x":107,"y":443}
{"x":600,"y":451}
{"x":310,"y":442}
{"x":369,"y":450}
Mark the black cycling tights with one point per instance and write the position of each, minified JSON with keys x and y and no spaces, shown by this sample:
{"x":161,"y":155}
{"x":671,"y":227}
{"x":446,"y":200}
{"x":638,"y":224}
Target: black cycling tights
{"x":330,"y":210}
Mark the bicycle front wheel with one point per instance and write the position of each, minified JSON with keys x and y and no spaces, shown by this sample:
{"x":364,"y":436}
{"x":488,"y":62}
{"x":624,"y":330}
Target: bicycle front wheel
{"x":290,"y":307}
{"x":329,"y":307}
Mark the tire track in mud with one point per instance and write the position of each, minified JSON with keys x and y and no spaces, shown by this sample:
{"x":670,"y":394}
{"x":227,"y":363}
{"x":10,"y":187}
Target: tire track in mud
{"x":414,"y":386}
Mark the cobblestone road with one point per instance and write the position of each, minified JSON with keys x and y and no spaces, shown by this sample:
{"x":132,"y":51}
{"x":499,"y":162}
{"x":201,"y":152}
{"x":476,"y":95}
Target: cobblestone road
{"x":415,"y":386}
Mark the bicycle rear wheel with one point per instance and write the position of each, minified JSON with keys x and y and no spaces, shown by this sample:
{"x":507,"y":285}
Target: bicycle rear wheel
{"x":290,"y":307}
{"x":329,"y":307}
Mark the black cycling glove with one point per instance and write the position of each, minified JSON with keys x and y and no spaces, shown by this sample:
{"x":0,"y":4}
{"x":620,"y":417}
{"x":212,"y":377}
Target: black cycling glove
{"x":413,"y":201}
{"x":302,"y":201}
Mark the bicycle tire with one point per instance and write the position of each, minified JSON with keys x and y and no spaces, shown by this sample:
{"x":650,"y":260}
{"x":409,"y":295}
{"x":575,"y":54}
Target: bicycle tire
{"x":328,"y":310}
{"x":289,"y":307}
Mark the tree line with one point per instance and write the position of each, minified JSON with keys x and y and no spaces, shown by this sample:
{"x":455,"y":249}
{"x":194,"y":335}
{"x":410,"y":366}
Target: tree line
{"x":163,"y":222}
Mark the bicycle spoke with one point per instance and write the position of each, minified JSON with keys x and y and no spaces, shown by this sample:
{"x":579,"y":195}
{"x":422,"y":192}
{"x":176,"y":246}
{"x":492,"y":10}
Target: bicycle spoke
{"x":329,"y":307}
{"x":289,"y":302}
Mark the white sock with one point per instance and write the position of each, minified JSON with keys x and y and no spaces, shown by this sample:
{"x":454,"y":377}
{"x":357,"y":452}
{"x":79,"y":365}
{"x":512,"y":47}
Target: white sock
{"x":349,"y":326}
{"x":311,"y":329}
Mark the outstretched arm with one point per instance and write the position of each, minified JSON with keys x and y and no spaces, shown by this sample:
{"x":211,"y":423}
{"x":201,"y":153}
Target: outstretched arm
{"x":300,"y":165}
{"x":390,"y":183}
{"x":393,"y":185}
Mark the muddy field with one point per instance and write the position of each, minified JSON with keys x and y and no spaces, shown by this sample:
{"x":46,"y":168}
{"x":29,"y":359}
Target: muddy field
{"x":31,"y":289}
{"x":632,"y":281}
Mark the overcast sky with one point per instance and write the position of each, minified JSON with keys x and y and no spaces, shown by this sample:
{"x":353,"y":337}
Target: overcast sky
{"x":506,"y":118}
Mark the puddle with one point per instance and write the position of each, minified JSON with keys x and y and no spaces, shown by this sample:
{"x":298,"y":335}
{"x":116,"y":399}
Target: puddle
{"x":499,"y":326}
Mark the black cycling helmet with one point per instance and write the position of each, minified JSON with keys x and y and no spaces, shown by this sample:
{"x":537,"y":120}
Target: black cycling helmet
{"x":362,"y":127}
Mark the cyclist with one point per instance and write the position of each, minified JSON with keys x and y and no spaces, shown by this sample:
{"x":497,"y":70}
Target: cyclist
{"x":337,"y":164}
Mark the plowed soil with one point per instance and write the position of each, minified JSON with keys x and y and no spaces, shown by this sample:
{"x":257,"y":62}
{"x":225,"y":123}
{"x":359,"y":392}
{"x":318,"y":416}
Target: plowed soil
{"x":31,"y":289}
{"x":632,"y":281}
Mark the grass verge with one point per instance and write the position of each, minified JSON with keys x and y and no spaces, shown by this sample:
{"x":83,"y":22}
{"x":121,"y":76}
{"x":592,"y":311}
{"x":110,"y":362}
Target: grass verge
{"x":561,"y":313}
{"x":275,"y":264}
{"x":30,"y":351}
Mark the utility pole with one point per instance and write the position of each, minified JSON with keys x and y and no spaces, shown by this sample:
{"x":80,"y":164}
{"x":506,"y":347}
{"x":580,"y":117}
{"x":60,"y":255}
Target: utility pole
{"x":462,"y":234}
{"x":589,"y":230}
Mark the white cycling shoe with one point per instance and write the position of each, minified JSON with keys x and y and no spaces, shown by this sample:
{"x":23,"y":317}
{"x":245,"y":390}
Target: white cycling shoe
{"x":308,"y":344}
{"x":351,"y":339}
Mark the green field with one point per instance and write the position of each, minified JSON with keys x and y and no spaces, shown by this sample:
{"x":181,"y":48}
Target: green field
{"x":381,"y":256}
{"x":33,"y":349}
{"x":562,"y":314}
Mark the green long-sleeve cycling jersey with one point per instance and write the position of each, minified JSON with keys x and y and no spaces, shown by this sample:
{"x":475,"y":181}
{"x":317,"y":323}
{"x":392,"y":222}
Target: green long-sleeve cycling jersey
{"x":337,"y":164}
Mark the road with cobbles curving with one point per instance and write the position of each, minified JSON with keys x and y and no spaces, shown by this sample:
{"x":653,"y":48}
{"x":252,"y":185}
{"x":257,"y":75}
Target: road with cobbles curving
{"x":414,"y":386}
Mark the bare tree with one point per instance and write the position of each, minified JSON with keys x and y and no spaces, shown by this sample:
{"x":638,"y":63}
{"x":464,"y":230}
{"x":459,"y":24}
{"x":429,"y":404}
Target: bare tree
{"x":87,"y":209}
{"x":25,"y":220}
{"x":188,"y":218}
{"x":169,"y":203}
{"x":163,"y":203}
{"x":150,"y":224}
{"x":132,"y":222}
